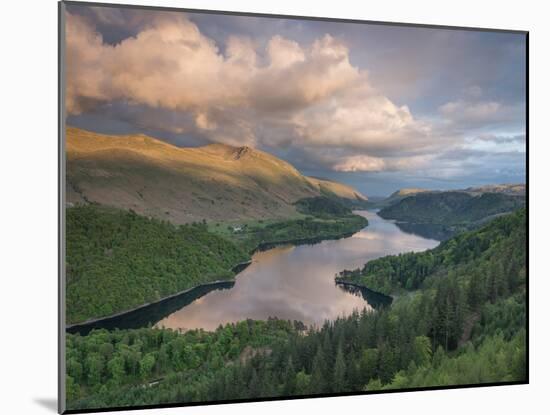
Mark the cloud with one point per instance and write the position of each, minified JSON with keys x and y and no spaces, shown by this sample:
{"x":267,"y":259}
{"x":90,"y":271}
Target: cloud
{"x":473,"y":91}
{"x":367,"y":163}
{"x":497,"y":143}
{"x":284,"y":53}
{"x":360,"y":163}
{"x":286,"y":95}
{"x":476,"y":112}
{"x":363,"y":119}
{"x":502,"y":138}
{"x":306,"y":100}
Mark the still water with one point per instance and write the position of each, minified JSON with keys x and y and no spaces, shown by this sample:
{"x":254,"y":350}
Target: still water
{"x":287,"y":282}
{"x":297,"y":282}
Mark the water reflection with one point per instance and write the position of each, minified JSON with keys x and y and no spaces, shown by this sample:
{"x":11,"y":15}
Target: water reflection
{"x":297,"y":283}
{"x":374,"y":299}
{"x":431,"y":231}
{"x":151,"y":314}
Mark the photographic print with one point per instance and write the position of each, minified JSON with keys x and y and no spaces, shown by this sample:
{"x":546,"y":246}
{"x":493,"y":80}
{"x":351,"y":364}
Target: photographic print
{"x":262,"y":207}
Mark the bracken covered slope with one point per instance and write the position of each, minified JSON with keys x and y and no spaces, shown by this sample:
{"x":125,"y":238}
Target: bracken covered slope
{"x":214,"y":182}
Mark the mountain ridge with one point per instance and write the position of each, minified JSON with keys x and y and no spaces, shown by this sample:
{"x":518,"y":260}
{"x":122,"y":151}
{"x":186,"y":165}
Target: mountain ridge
{"x":510,"y":189}
{"x":183,"y":184}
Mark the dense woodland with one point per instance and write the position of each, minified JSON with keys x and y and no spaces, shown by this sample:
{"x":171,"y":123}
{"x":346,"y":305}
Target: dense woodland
{"x":493,"y":255}
{"x":323,"y":218}
{"x":450,"y":212}
{"x":321,"y":206}
{"x":117,"y":260}
{"x":460,"y":319}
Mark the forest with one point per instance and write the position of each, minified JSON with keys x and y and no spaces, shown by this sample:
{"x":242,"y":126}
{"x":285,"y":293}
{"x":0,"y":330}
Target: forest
{"x":481,"y":256}
{"x":117,"y":260}
{"x":321,"y":218}
{"x":321,"y":206}
{"x":451,"y":212}
{"x":459,"y":318}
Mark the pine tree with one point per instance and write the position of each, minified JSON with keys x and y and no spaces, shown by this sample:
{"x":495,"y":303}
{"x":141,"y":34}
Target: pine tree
{"x":318,"y":376}
{"x":339,"y":384}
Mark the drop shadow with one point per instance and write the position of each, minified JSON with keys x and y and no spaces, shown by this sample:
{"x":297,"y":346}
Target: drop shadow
{"x":48,"y":403}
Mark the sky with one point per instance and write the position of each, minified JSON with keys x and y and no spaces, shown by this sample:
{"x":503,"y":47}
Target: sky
{"x":379,"y":107}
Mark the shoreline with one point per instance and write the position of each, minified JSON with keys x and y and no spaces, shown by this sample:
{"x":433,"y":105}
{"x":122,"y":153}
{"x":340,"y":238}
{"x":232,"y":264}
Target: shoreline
{"x":121,"y":313}
{"x":364,"y":287}
{"x":237,"y":269}
{"x":266,"y":246}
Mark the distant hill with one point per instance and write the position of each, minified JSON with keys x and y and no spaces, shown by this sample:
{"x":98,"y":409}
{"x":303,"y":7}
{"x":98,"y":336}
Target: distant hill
{"x":508,"y":189}
{"x":397,"y":196}
{"x":182,"y":185}
{"x":444,"y":214}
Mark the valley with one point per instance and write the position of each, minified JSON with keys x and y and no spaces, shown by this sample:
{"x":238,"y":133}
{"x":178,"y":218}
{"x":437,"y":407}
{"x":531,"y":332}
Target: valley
{"x":423,"y":339}
{"x":222,"y":272}
{"x":265,"y":207}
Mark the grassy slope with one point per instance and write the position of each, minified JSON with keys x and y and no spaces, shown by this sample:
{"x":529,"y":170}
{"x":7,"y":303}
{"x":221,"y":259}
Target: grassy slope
{"x":340,"y":190}
{"x":216,"y":182}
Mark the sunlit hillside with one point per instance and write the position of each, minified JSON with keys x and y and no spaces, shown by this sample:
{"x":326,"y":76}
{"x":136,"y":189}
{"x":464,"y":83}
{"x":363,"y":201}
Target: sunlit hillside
{"x":214,"y":182}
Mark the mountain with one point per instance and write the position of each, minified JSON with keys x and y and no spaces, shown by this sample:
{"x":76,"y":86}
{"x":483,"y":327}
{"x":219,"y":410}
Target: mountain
{"x":340,"y":190}
{"x":182,"y":185}
{"x":443,"y":214}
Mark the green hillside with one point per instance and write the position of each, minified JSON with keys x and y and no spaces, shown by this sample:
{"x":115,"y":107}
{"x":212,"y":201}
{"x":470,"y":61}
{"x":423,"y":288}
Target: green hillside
{"x":498,"y":246}
{"x":322,"y":206}
{"x":463,"y":323}
{"x":118,"y":260}
{"x":318,"y":218}
{"x":450,"y":212}
{"x":396,"y":197}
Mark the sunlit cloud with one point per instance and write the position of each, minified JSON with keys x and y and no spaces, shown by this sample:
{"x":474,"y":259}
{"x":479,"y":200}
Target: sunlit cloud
{"x":310,"y":92}
{"x":306,"y":98}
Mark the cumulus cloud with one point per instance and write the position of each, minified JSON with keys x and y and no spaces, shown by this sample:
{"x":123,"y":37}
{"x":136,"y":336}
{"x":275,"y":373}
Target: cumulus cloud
{"x":360,"y":163}
{"x":287,"y":94}
{"x":367,"y":163}
{"x":362,"y":119}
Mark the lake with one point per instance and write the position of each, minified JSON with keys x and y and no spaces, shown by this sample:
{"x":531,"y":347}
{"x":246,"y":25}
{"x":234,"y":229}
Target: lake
{"x":287,"y":282}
